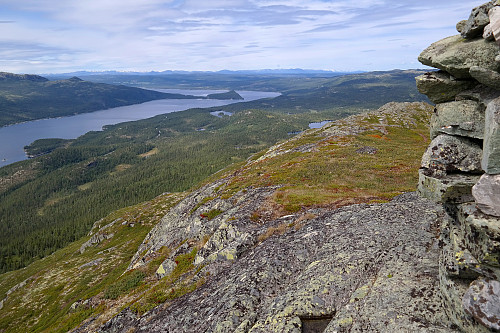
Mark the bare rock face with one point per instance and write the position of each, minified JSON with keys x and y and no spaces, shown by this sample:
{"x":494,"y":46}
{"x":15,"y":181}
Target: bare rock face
{"x":482,"y":301}
{"x":487,"y":194}
{"x":456,"y":55}
{"x":361,"y":268}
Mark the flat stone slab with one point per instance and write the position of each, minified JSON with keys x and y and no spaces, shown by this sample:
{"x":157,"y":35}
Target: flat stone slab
{"x":456,"y":55}
{"x":441,"y":87}
{"x":491,"y":145}
{"x":482,"y":301}
{"x":454,"y":188}
{"x":462,"y":118}
{"x":487,"y":194}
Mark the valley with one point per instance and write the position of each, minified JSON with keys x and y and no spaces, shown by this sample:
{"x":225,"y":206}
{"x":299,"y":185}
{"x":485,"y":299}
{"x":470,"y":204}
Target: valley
{"x":77,"y":182}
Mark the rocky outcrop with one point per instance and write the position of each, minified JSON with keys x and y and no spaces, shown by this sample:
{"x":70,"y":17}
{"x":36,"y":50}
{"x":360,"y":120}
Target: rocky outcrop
{"x":360,"y":268}
{"x":461,"y":167}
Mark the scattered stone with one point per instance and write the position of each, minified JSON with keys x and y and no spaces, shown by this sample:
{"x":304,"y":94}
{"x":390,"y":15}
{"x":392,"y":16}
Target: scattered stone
{"x":487,"y":194}
{"x":463,"y":118}
{"x":478,"y":19}
{"x":95,"y":239}
{"x":456,"y":55}
{"x":450,"y":154}
{"x":491,"y":146}
{"x":454,"y":188}
{"x":95,"y":262}
{"x":441,"y":87}
{"x":366,"y":150}
{"x":165,"y":268}
{"x":486,"y":76}
{"x":482,"y":301}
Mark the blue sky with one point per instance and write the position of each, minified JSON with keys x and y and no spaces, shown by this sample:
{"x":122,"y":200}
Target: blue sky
{"x":54,"y":36}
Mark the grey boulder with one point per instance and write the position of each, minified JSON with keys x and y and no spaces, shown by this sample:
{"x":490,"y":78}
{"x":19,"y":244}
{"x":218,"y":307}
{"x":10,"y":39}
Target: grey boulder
{"x":482,"y":301}
{"x":450,"y":154}
{"x":478,"y":19}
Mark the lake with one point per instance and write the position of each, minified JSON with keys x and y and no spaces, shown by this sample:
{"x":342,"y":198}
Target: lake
{"x":13,"y":138}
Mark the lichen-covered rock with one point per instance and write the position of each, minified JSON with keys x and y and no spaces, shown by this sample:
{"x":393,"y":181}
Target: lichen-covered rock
{"x":482,"y":301}
{"x":461,"y":26}
{"x":456,"y":55}
{"x":441,"y":87}
{"x":463,"y":118}
{"x":362,"y":268}
{"x":480,"y":234}
{"x":448,"y":153}
{"x":486,"y":76}
{"x":491,"y":146}
{"x":478,"y":19}
{"x":454,"y":188}
{"x":191,"y":220}
{"x":487,"y":194}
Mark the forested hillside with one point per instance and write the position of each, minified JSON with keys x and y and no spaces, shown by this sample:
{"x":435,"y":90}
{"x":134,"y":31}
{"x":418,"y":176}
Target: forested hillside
{"x":29,"y":97}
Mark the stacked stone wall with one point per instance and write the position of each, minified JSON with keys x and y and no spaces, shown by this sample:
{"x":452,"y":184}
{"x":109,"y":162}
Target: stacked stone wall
{"x":461,"y":167}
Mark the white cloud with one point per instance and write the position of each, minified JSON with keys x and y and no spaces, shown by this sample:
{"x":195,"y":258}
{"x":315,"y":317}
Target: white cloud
{"x":50,"y":35}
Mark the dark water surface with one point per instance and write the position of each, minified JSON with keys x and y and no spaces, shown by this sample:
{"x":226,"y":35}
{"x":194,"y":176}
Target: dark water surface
{"x":13,"y":138}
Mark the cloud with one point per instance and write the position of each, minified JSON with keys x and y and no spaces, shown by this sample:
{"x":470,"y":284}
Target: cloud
{"x":50,"y":35}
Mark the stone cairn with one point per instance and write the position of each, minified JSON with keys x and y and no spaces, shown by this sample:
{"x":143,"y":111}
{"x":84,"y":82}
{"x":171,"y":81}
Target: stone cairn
{"x":461,"y":167}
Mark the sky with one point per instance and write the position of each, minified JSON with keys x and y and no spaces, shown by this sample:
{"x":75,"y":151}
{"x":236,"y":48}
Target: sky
{"x":57,"y":36}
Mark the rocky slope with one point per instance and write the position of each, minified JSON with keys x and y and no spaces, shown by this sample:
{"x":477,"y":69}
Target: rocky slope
{"x":300,"y":237}
{"x":460,"y":169}
{"x":358,"y":268}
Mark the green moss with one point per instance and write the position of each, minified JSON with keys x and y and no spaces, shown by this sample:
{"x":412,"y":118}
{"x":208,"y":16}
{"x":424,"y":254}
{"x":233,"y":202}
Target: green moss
{"x":211,"y":214}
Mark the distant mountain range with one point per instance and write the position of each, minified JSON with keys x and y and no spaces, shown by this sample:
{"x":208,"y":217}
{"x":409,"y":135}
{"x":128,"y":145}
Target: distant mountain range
{"x":284,"y":71}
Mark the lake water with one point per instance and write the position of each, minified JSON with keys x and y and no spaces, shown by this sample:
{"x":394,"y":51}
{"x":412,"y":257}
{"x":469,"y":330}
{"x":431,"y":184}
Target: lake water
{"x":13,"y":138}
